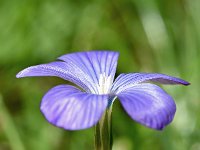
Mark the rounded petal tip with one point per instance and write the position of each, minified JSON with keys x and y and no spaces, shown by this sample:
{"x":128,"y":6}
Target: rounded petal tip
{"x":186,"y":83}
{"x":19,"y":75}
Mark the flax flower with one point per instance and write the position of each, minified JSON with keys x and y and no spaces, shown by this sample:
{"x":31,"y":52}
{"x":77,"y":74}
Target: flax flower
{"x":73,"y":108}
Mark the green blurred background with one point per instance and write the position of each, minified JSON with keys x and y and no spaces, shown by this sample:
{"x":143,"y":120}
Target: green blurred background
{"x":151,"y":36}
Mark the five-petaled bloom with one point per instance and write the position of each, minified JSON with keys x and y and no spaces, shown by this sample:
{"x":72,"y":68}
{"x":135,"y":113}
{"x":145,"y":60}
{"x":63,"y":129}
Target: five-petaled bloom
{"x":75,"y":108}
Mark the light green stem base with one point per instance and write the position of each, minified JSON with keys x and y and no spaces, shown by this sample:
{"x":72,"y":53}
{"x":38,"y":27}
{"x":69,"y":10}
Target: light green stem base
{"x":103,"y":131}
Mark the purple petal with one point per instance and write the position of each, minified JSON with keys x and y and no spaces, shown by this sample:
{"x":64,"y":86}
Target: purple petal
{"x":95,"y":64}
{"x":124,"y":81}
{"x":67,"y":107}
{"x":149,"y":105}
{"x":59,"y":69}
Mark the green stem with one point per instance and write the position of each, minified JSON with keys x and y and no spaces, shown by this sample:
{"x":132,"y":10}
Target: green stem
{"x":103,"y":131}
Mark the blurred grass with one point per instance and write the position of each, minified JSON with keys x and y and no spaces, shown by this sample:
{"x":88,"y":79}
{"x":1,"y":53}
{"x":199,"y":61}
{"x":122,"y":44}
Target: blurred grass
{"x":151,"y":36}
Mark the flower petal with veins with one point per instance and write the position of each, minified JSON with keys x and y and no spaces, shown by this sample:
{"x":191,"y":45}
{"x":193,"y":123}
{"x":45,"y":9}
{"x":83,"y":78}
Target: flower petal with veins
{"x":124,"y":81}
{"x":148,"y":104}
{"x":67,"y":107}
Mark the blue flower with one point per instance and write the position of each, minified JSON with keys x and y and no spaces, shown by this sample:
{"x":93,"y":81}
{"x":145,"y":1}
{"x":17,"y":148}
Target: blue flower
{"x":73,"y":108}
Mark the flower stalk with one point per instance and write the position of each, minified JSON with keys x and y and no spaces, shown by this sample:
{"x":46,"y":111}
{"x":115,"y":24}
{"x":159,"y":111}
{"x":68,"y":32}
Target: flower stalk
{"x":103,"y":131}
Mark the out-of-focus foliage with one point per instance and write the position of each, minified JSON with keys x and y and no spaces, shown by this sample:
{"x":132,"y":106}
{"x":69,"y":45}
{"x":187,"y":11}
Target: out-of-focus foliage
{"x":151,"y":36}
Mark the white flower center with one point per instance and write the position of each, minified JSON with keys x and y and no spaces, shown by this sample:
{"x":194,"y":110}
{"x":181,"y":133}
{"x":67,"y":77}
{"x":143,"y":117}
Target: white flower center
{"x":105,"y":83}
